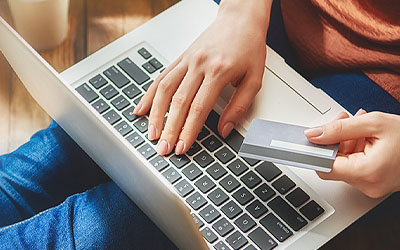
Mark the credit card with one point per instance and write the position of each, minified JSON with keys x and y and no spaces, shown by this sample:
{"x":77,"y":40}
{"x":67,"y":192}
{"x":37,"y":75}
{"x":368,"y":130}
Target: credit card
{"x":286,"y":144}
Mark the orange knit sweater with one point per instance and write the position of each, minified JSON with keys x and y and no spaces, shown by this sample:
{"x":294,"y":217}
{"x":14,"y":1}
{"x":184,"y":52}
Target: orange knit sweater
{"x":347,"y":34}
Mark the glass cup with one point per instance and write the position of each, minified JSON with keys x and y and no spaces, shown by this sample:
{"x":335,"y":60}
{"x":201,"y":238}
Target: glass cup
{"x":42,"y":23}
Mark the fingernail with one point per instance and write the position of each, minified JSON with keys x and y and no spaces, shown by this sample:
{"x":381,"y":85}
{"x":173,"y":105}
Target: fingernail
{"x":227,"y":129}
{"x":162,"y":147}
{"x":152,"y":132}
{"x":313,"y":132}
{"x":138,"y":108}
{"x":179,"y":147}
{"x":359,"y":111}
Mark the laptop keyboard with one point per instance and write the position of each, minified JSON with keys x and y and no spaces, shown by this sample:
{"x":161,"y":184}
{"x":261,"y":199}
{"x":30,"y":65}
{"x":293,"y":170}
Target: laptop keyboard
{"x":237,"y":203}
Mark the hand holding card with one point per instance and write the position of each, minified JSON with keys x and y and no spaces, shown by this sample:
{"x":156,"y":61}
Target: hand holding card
{"x":286,"y":144}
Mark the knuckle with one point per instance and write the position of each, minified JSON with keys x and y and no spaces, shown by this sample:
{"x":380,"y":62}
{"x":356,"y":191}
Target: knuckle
{"x":336,"y":128}
{"x":199,"y":56}
{"x":197,"y":108}
{"x":179,"y":100}
{"x":164,"y":85}
{"x":239,"y":110}
{"x":170,"y":131}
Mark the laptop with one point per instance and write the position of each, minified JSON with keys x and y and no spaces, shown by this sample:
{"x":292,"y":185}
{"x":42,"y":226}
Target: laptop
{"x":208,"y":198}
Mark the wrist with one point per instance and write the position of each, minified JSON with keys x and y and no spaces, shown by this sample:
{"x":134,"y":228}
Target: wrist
{"x":255,"y":13}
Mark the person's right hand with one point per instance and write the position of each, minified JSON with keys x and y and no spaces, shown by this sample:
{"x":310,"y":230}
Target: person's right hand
{"x":231,"y":50}
{"x":369,"y":152}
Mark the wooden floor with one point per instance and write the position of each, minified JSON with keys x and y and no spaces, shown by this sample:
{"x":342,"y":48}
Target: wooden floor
{"x":92,"y":25}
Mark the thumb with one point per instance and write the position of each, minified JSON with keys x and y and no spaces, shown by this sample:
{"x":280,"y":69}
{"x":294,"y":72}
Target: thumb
{"x":238,"y":105}
{"x":342,"y":130}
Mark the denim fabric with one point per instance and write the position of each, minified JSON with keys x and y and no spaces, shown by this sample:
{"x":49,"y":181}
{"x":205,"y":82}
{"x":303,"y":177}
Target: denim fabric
{"x":52,"y":172}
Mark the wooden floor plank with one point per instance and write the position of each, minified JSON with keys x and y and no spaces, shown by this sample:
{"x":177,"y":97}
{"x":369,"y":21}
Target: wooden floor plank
{"x":26,"y":116}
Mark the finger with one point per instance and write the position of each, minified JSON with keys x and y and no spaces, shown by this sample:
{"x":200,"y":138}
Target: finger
{"x":201,"y":106}
{"x":178,"y":112}
{"x":345,"y":168}
{"x":347,"y":147}
{"x":360,"y":144}
{"x":146,"y":101}
{"x":343,"y":130}
{"x":165,"y":90}
{"x":239,"y":103}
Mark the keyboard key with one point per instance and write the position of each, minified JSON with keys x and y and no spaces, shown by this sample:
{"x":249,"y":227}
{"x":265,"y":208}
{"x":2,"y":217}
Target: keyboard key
{"x":142,"y":124}
{"x":209,"y":235}
{"x":262,"y":239}
{"x":129,"y":115}
{"x":203,"y":159}
{"x":137,"y":100}
{"x":147,"y":85}
{"x":109,"y":92}
{"x":224,"y":155}
{"x":245,"y":223}
{"x":243,"y":196}
{"x":198,"y":221}
{"x":234,"y":140}
{"x":184,"y":188}
{"x":133,"y":71}
{"x":179,"y":160}
{"x":123,"y":128}
{"x":237,"y":167}
{"x":212,"y":121}
{"x":205,"y":184}
{"x":236,"y":240}
{"x":211,"y":143}
{"x":250,"y":247}
{"x":132,"y":91}
{"x":155,"y":63}
{"x":256,"y":209}
{"x":312,"y":210}
{"x":159,"y":163}
{"x":120,"y":103}
{"x":203,"y":133}
{"x":193,"y":149}
{"x":101,"y":106}
{"x":264,"y":192}
{"x":135,"y":139}
{"x":112,"y":117}
{"x":116,"y":77}
{"x":149,"y":68}
{"x":268,"y":170}
{"x":172,"y":175}
{"x":147,"y":151}
{"x":196,"y":201}
{"x":216,"y":171}
{"x":144,"y":53}
{"x":283,"y":184}
{"x":229,"y":183}
{"x":231,"y":209}
{"x":209,"y":214}
{"x":98,"y":81}
{"x":287,"y":213}
{"x":87,"y":93}
{"x":251,"y":162}
{"x":223,"y":227}
{"x":217,"y":196}
{"x":276,"y":227}
{"x":221,"y":246}
{"x":250,"y":179}
{"x":192,"y":171}
{"x":297,"y":197}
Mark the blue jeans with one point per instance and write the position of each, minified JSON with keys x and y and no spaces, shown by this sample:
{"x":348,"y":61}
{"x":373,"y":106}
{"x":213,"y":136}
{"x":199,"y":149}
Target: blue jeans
{"x":52,"y":195}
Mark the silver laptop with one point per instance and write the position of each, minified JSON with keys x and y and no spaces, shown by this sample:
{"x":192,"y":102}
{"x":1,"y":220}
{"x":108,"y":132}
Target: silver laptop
{"x":209,"y":197}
